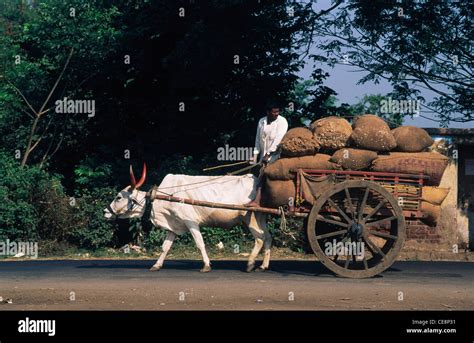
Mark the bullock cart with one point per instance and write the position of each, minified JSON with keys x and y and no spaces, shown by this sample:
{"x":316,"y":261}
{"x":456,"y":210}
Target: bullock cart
{"x":354,"y":220}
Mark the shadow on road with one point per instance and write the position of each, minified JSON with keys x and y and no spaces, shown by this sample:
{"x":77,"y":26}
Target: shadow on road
{"x":284,"y":268}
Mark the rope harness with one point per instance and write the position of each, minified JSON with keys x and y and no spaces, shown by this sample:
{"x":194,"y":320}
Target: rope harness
{"x":130,"y":206}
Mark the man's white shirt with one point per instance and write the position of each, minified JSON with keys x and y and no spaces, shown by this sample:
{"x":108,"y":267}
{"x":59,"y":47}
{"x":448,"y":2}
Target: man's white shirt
{"x":269,"y":136}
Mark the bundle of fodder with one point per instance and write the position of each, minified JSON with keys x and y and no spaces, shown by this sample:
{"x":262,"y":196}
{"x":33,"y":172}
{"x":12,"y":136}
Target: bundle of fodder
{"x":434,"y":195}
{"x":278,"y":192}
{"x":332,"y":133}
{"x":371,"y":132}
{"x":431,"y":200}
{"x":353,"y":159}
{"x":299,"y":141}
{"x":412,"y":139}
{"x":432,"y":164}
{"x":281,"y":169}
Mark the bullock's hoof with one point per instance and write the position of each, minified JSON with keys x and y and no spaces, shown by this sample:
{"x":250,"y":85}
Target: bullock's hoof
{"x":154,"y":269}
{"x":205,"y":269}
{"x":250,"y":268}
{"x":261,"y":269}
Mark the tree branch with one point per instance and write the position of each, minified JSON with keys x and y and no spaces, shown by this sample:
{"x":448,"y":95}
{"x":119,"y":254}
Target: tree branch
{"x":30,"y":146}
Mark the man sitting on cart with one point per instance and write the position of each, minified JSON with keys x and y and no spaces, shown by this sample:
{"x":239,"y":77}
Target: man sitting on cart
{"x":270,"y":131}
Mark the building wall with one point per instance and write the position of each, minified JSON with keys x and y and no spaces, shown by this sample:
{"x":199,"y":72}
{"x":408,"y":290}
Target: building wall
{"x":448,"y":225}
{"x":466,"y":195}
{"x":454,"y":222}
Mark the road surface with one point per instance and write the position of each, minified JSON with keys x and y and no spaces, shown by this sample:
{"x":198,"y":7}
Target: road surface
{"x":289,"y":285}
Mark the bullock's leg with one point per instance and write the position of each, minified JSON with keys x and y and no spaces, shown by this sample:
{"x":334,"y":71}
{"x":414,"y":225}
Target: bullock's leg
{"x":258,"y":234}
{"x":196,"y":233}
{"x":267,"y":241}
{"x":166,"y":247}
{"x":267,"y":244}
{"x":253,"y":255}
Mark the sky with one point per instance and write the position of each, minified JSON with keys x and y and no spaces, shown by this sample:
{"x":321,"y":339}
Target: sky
{"x":343,"y":79}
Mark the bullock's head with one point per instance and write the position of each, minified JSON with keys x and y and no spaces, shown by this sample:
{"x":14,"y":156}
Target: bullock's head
{"x":129,"y":202}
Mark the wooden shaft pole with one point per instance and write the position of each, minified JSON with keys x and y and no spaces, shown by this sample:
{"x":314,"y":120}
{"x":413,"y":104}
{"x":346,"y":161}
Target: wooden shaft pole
{"x":268,"y":210}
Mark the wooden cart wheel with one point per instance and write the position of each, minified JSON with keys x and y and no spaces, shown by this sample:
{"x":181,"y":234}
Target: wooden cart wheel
{"x":356,"y":229}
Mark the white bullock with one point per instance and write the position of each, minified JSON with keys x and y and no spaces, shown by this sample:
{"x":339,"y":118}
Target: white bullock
{"x":179,"y":218}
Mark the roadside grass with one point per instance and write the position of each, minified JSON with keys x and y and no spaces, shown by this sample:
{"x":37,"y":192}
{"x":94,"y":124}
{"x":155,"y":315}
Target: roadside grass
{"x":177,"y":252}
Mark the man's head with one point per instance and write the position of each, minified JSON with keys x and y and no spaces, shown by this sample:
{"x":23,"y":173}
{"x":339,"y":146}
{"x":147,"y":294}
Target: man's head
{"x":273,"y":111}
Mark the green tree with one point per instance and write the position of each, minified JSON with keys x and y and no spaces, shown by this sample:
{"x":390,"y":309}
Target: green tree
{"x":372,"y":104}
{"x":414,"y":45}
{"x":50,"y":51}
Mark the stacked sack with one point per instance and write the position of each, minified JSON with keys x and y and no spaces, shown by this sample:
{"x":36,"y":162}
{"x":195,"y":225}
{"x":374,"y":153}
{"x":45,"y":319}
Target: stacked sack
{"x":368,"y":144}
{"x":431,"y":199}
{"x":299,"y":149}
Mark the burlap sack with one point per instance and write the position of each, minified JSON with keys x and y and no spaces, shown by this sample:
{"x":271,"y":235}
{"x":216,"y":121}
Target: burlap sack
{"x":432,"y":212}
{"x":353,"y":159}
{"x":332,"y":133}
{"x":371,"y":132}
{"x":299,"y":142}
{"x":278,"y":193}
{"x":434,"y":195}
{"x":411,"y":139}
{"x":432,"y":164}
{"x":280,"y":169}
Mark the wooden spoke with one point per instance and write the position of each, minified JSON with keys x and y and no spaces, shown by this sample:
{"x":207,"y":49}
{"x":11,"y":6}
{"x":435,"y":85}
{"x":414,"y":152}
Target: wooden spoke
{"x":336,"y":256}
{"x":374,"y":211}
{"x":374,"y":249}
{"x":331,"y":234}
{"x":346,"y":264}
{"x":349,"y":201}
{"x":362,"y":204}
{"x":381,"y":220}
{"x":383,"y":235}
{"x":338,"y":209}
{"x":366,"y":267}
{"x":335,"y":222}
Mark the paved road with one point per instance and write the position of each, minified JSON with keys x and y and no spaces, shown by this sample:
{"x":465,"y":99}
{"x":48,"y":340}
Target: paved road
{"x":292,"y":285}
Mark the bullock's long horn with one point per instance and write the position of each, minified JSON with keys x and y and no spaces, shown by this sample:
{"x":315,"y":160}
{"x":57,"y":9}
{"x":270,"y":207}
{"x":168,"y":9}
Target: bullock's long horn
{"x":132,"y":178}
{"x":143,"y":177}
